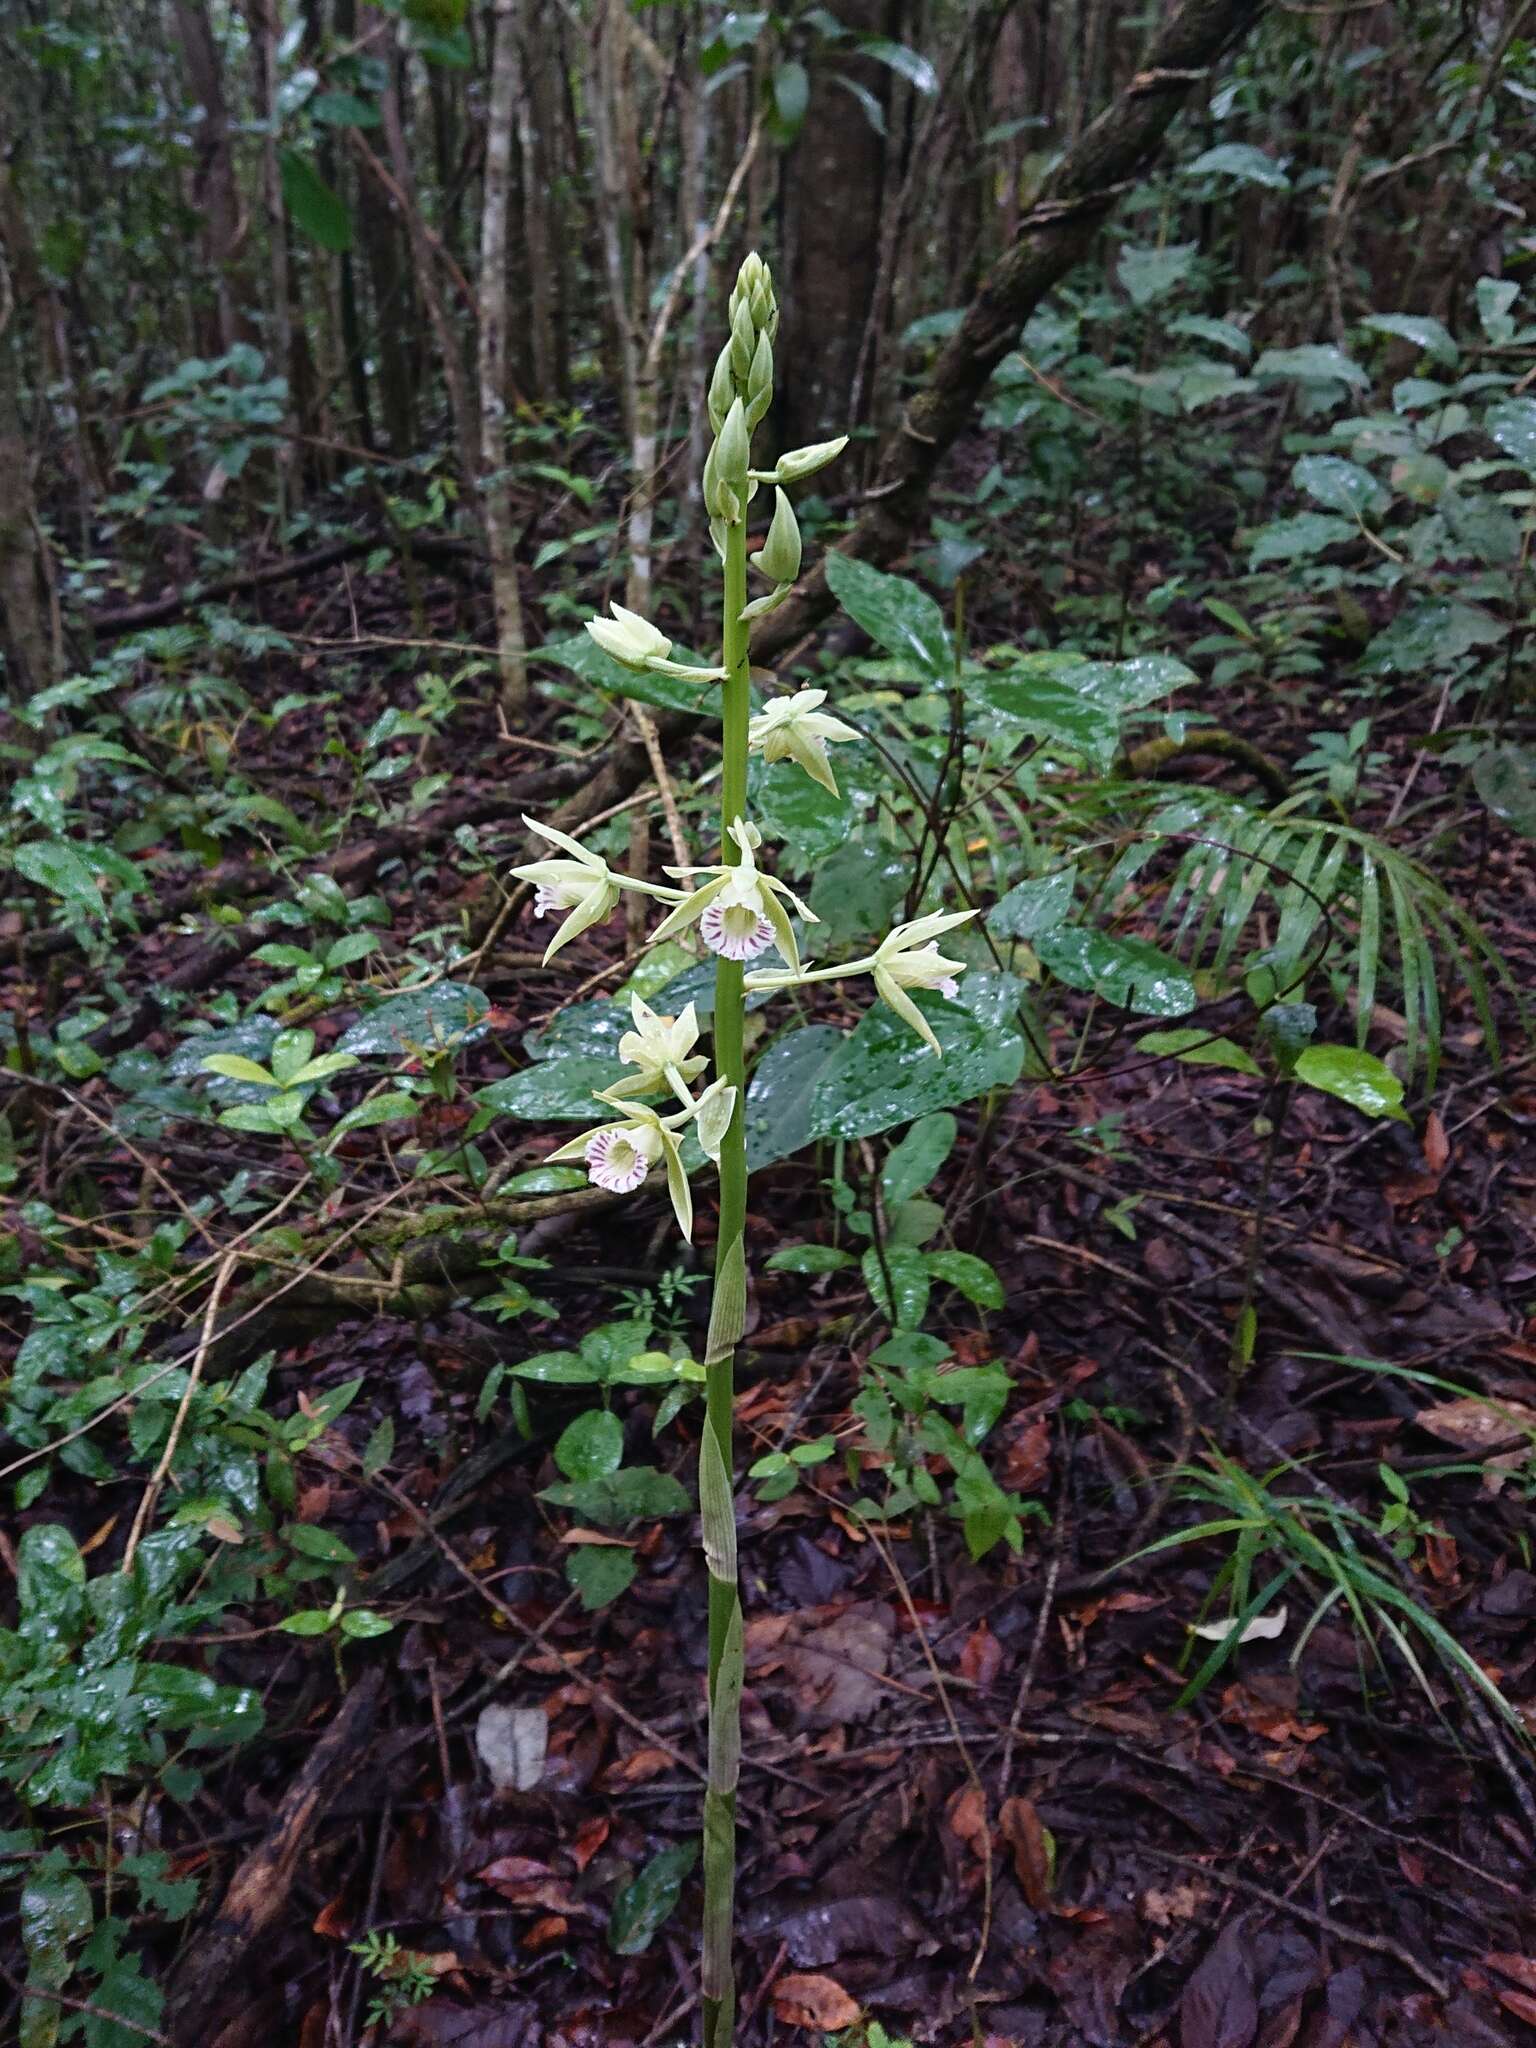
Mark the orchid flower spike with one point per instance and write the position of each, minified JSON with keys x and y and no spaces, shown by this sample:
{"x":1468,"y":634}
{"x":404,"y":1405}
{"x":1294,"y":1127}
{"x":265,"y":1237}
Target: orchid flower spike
{"x":662,"y":1048}
{"x":620,"y":1155}
{"x":637,"y":644}
{"x":738,"y":912}
{"x":908,"y":958}
{"x":796,"y":729}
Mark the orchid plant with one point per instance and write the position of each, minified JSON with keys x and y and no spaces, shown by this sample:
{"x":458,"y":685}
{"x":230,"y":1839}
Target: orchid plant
{"x":739,"y":911}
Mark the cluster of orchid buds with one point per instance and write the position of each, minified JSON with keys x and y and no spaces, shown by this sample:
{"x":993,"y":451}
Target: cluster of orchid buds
{"x":739,"y":910}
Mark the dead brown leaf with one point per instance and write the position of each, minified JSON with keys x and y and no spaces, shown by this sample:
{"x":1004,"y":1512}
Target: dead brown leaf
{"x":812,"y":2001}
{"x":1472,"y":1423}
{"x":1033,"y":1858}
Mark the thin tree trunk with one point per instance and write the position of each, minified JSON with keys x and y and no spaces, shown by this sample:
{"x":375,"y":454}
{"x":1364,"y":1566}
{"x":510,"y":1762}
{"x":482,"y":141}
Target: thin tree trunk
{"x":512,"y":647}
{"x":215,"y":193}
{"x":262,"y":16}
{"x":26,"y":643}
{"x":465,"y":430}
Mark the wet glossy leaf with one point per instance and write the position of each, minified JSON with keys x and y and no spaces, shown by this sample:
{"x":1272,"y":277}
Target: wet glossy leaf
{"x":57,"y":867}
{"x":1341,"y":486}
{"x":810,"y":1258}
{"x":974,"y":1278}
{"x":1242,"y":161}
{"x":883,"y":1074}
{"x":555,"y":1091}
{"x":904,"y":620}
{"x":317,"y":209}
{"x":1030,"y":908}
{"x":1126,"y":972}
{"x":911,"y":1164}
{"x":857,"y":889}
{"x":362,"y":1624}
{"x":583,"y":657}
{"x":1197,"y":1048}
{"x":810,"y":819}
{"x":444,"y":1015}
{"x":898,"y":1283}
{"x":1505,"y":779}
{"x":634,"y":1493}
{"x":1358,"y":1078}
{"x":1513,"y":425}
{"x":600,"y":1572}
{"x":591,"y":1446}
{"x":649,"y":1900}
{"x":782,"y":1091}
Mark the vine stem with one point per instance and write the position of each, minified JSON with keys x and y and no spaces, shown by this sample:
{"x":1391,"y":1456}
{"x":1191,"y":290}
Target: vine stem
{"x":726,"y":1323}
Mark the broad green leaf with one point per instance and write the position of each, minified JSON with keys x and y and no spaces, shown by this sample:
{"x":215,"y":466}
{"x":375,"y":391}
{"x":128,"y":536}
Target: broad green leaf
{"x":857,"y":888}
{"x":883,"y":1074}
{"x":234,"y":1067}
{"x":1148,"y":273}
{"x":317,"y":209}
{"x":424,"y":1021}
{"x":791,"y":97}
{"x":1126,"y":972}
{"x":600,"y":1572}
{"x":1218,"y":333}
{"x":309,"y":1621}
{"x":583,"y":657}
{"x":782,"y":1090}
{"x":1505,"y":779}
{"x":973,"y":1277}
{"x":562,"y":1369}
{"x":1495,"y":302}
{"x":56,"y":1916}
{"x":1299,"y":537}
{"x":894,"y":612}
{"x":1421,"y":329}
{"x":1315,"y":362}
{"x":362,"y":1624}
{"x":809,"y":1258}
{"x":1513,"y":425}
{"x":382,"y":1109}
{"x":912,"y":1164}
{"x":554,"y":1091}
{"x":1340,"y":485}
{"x":1358,"y":1078}
{"x":908,"y":64}
{"x":1196,"y":1048}
{"x":648,"y":1901}
{"x":1030,"y":908}
{"x":54,"y":865}
{"x":897,"y":1279}
{"x":633,"y":1493}
{"x":592,"y":1446}
{"x":1242,"y":161}
{"x":810,"y":819}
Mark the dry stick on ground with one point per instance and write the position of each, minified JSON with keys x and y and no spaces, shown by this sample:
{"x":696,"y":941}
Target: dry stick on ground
{"x":146,"y":1508}
{"x":1353,"y":1937}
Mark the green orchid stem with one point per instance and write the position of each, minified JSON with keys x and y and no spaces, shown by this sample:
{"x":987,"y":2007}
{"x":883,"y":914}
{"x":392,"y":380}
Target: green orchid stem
{"x":727,"y":1319}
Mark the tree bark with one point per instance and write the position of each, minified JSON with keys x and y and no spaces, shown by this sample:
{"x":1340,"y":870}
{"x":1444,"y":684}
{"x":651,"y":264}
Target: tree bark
{"x":1054,"y":236}
{"x":496,"y":503}
{"x":215,"y":192}
{"x":835,"y":186}
{"x":26,"y":639}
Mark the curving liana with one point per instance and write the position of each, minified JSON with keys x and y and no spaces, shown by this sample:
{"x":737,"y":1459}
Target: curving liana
{"x":740,"y":911}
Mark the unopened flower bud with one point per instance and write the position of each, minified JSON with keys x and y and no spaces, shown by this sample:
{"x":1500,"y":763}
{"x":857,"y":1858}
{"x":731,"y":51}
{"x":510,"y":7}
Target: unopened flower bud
{"x":743,"y":341}
{"x":722,"y":389}
{"x":800,"y":463}
{"x":765,"y":309}
{"x":629,"y":638}
{"x":732,"y":452}
{"x":721,"y":503}
{"x":760,"y":382}
{"x":779,"y":555}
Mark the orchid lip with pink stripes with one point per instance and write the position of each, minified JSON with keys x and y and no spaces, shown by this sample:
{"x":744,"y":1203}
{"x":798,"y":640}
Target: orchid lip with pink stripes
{"x":735,"y":931}
{"x":615,"y":1162}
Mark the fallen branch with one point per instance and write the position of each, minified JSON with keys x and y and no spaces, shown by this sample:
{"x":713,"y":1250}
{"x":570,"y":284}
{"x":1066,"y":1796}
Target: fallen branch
{"x":258,"y":1892}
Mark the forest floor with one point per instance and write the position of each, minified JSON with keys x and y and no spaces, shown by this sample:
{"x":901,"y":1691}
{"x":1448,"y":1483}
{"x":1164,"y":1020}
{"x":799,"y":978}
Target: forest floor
{"x":970,"y":1807}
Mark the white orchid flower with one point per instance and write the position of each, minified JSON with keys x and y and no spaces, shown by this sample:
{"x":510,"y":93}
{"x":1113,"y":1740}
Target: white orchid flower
{"x":662,"y":1048}
{"x":738,"y":912}
{"x":635,"y":642}
{"x":908,"y":958}
{"x":581,"y":885}
{"x":796,"y":729}
{"x":620,"y":1155}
